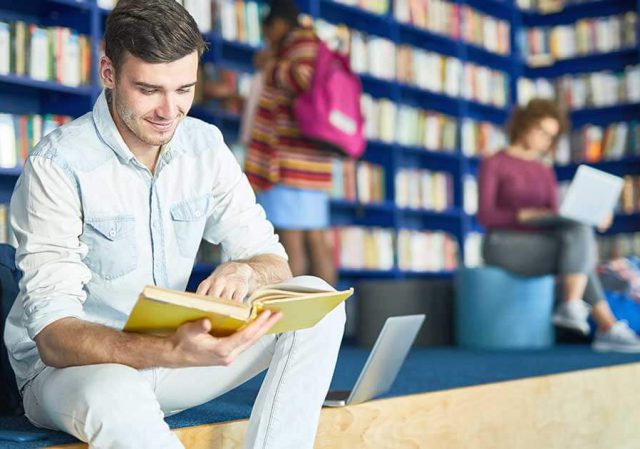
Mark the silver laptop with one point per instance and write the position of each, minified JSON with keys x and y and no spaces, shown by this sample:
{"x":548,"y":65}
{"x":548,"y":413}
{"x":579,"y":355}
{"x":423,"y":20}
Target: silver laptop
{"x":591,"y":195}
{"x":384,"y":362}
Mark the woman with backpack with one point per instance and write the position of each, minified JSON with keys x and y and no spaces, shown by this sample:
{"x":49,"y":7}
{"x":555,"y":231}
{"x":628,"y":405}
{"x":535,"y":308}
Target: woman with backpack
{"x":290,"y":174}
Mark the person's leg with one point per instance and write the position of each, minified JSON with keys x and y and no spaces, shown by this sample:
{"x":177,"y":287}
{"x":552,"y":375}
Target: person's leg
{"x":600,"y":310}
{"x":286,"y":412}
{"x":537,"y":254}
{"x":109,"y":406}
{"x":320,"y":255}
{"x":293,"y":241}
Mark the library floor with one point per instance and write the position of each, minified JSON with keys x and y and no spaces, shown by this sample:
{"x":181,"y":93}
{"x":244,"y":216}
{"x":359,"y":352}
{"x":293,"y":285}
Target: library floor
{"x":426,"y":370}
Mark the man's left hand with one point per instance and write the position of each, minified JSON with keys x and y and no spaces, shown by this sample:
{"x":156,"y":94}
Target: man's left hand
{"x":231,"y":280}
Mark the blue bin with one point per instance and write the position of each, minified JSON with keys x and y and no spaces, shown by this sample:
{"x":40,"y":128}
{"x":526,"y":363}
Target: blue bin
{"x":496,"y":309}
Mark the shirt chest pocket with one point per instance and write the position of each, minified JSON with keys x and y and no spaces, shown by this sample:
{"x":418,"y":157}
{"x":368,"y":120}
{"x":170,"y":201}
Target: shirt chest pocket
{"x":189,"y":218}
{"x":112,"y":245}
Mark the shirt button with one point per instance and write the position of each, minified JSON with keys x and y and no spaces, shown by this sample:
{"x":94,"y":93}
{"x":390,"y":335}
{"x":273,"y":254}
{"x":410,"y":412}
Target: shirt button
{"x":112,"y":233}
{"x":198,"y":213}
{"x":154,"y":224}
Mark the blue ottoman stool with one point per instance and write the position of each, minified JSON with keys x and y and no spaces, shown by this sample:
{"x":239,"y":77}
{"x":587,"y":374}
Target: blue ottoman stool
{"x":498,"y":310}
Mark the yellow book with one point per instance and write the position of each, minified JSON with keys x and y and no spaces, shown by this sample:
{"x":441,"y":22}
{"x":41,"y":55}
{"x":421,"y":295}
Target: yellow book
{"x":303,"y":300}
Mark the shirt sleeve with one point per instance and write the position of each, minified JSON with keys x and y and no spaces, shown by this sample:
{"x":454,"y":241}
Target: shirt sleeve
{"x":237,"y":221}
{"x":294,"y":72}
{"x":46,"y":219}
{"x":490,"y":214}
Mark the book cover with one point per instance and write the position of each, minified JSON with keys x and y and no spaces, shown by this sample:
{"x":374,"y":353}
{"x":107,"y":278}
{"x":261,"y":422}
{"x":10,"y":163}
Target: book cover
{"x":303,"y":300}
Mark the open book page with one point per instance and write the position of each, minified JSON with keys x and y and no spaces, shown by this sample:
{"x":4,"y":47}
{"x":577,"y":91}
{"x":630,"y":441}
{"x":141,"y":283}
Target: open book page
{"x":291,"y":288}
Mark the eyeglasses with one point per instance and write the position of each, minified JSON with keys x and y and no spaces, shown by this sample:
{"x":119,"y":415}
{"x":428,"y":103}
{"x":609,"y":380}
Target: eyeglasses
{"x":539,"y":129}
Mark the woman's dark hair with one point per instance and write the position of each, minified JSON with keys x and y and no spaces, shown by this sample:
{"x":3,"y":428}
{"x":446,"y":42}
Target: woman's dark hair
{"x":155,"y":31}
{"x":282,"y":9}
{"x":523,"y":119}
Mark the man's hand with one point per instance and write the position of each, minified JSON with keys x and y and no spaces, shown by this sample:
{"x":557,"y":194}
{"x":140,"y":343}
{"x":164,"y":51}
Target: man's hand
{"x":194,"y":346}
{"x":231,"y":280}
{"x":528,"y":214}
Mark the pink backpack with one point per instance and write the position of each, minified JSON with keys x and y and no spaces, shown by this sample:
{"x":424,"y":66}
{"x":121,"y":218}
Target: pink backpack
{"x":329,"y":111}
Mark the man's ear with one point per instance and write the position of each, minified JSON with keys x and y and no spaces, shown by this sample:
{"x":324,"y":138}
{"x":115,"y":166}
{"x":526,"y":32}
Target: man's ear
{"x":107,"y":72}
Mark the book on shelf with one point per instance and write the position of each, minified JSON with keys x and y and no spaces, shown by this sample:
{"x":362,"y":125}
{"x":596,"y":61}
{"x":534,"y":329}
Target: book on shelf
{"x":424,"y":189}
{"x":584,"y":37}
{"x":55,"y":54}
{"x":470,"y":194}
{"x":380,"y":7}
{"x":220,"y":89}
{"x":588,"y":90}
{"x":357,"y":181}
{"x":5,"y":226}
{"x":630,"y":197}
{"x":593,"y":144}
{"x":481,"y":139}
{"x":618,"y":245}
{"x":438,"y":16}
{"x":485,"y":31}
{"x":473,"y":250}
{"x":421,"y":251}
{"x":363,"y":248}
{"x":240,"y":20}
{"x":303,"y":301}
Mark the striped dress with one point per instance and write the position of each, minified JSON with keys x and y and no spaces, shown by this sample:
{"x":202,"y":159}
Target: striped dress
{"x":277,"y":154}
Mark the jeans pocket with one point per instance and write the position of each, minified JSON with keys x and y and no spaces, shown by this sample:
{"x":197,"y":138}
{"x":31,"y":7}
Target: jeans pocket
{"x":112,"y":245}
{"x":189,"y":218}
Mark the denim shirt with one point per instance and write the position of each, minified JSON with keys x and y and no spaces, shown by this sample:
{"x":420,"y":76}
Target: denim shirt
{"x":94,"y":225}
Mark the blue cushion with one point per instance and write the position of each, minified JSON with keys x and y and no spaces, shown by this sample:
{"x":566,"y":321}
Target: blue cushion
{"x":496,"y":309}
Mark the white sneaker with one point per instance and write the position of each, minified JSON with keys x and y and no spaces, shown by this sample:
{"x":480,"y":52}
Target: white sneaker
{"x":572,"y":315}
{"x":620,"y":338}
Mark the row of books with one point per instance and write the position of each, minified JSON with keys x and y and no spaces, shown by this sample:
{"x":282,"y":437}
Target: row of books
{"x":448,"y":75}
{"x":421,"y":251}
{"x":359,"y":248}
{"x":542,"y":45}
{"x":45,"y":53}
{"x":630,"y":197}
{"x":238,"y":20}
{"x":364,"y":248}
{"x":380,"y":7}
{"x":597,"y":89}
{"x":361,"y":181}
{"x":389,"y":122}
{"x":424,"y":189}
{"x":455,"y":21}
{"x":619,"y":245}
{"x":593,"y":143}
{"x":548,"y":6}
{"x":20,"y":133}
{"x":481,"y":138}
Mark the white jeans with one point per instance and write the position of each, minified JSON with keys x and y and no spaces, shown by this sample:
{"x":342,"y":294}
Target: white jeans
{"x":114,"y":406}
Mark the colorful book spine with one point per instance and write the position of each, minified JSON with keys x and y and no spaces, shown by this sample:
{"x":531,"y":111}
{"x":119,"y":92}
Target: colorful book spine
{"x":421,"y":251}
{"x":424,"y":189}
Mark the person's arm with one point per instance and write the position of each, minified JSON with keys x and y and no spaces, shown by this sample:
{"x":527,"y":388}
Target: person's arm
{"x":46,"y":219}
{"x":490,"y":214}
{"x":256,"y":258}
{"x":295,"y":72}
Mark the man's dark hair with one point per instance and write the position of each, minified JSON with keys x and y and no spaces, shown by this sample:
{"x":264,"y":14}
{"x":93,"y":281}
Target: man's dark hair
{"x":155,"y":31}
{"x":282,"y":9}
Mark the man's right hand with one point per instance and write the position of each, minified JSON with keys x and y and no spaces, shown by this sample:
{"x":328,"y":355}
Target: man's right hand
{"x":192,"y":345}
{"x":525,"y":215}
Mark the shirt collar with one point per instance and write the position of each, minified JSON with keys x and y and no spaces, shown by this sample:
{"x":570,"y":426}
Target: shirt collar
{"x":111,"y":136}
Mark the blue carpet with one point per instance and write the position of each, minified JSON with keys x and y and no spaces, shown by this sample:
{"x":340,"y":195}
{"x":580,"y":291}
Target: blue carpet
{"x":428,"y":369}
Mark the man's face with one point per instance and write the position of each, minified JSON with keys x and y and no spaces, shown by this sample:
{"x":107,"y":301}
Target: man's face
{"x":151,"y":99}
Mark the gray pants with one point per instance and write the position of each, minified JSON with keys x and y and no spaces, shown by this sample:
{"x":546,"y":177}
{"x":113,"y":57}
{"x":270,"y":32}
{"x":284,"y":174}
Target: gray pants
{"x":565,"y":249}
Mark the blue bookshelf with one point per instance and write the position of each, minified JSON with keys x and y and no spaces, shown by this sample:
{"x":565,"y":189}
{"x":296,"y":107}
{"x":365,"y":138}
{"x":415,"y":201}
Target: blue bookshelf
{"x":22,"y":95}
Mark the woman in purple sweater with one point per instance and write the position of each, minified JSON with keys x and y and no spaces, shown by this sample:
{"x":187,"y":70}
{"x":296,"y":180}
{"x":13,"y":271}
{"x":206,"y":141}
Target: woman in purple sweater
{"x":515,"y":187}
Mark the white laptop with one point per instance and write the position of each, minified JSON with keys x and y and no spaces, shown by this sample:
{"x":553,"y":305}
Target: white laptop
{"x":591,"y":196}
{"x":384,"y":362}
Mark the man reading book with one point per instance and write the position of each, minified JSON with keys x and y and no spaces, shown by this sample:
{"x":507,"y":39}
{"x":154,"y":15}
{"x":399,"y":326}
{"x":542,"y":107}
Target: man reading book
{"x":121,"y":198}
